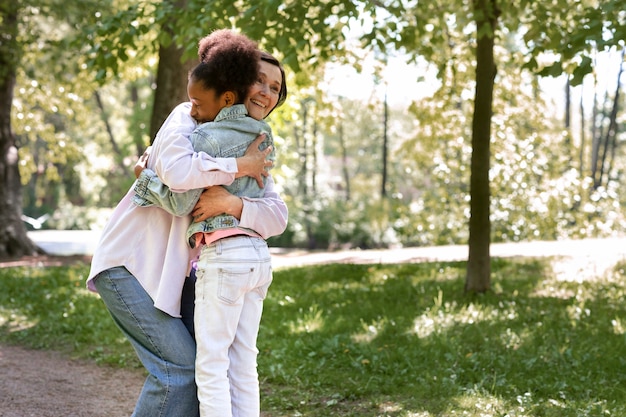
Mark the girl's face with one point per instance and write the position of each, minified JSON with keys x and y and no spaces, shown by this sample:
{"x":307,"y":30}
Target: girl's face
{"x":205,"y":104}
{"x":263,"y":95}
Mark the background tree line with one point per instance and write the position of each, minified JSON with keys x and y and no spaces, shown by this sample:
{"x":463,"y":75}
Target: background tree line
{"x":84,"y":87}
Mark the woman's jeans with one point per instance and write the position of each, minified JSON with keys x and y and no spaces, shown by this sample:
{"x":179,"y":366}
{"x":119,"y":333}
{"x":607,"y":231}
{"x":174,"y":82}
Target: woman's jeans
{"x":233,"y":276}
{"x":163,"y":344}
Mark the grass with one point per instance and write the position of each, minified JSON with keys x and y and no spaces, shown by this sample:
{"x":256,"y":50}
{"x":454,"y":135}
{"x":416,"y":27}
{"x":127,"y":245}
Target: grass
{"x":386,"y":340}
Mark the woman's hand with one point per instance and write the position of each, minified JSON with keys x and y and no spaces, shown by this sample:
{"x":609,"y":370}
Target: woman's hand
{"x":142,"y":163}
{"x":254,"y":162}
{"x":214,"y":201}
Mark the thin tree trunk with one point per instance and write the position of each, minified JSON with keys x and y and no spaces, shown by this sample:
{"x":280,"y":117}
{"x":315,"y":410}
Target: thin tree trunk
{"x":344,"y":161}
{"x":611,"y":134}
{"x":600,"y":144}
{"x":304,"y":152}
{"x":109,"y":130}
{"x":383,"y":189}
{"x":314,"y":162}
{"x":478,"y":277}
{"x":593,"y":166}
{"x":307,"y":195}
{"x":568,"y":105}
{"x":568,"y":117}
{"x":581,"y":154}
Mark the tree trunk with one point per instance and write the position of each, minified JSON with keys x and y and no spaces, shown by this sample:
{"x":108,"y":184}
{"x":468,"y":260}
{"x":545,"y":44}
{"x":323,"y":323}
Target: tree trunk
{"x":568,"y":117}
{"x":344,"y":161}
{"x":598,"y":143}
{"x":14,"y":241}
{"x":581,"y":153}
{"x":305,"y":174}
{"x":383,"y":187}
{"x":109,"y":130}
{"x":478,"y":277}
{"x":568,"y":105}
{"x":314,"y":158}
{"x":171,"y":80}
{"x":611,"y":134}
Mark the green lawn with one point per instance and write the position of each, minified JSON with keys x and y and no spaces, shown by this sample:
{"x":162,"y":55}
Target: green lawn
{"x":385,"y":340}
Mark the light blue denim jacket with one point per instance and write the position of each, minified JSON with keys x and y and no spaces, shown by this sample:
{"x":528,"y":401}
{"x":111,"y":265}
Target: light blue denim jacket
{"x":229,"y":135}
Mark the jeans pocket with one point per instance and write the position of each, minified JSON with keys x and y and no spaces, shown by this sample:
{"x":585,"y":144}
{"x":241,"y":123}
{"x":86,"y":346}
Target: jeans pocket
{"x":233,"y":283}
{"x":264,"y":287}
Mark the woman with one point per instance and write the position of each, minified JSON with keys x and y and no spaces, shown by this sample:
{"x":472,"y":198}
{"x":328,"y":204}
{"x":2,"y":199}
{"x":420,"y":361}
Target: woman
{"x":136,"y":267}
{"x":234,"y":268}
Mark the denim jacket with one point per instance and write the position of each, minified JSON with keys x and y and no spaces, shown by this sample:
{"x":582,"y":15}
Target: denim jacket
{"x":229,"y":135}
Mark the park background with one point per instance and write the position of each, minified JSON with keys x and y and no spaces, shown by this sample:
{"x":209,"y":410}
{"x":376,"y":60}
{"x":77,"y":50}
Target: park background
{"x":380,"y":158}
{"x":507,"y":126}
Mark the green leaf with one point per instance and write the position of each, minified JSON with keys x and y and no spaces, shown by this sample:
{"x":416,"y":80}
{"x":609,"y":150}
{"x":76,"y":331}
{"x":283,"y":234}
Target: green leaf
{"x":584,"y":68}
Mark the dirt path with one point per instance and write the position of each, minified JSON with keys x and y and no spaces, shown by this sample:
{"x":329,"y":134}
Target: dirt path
{"x":47,"y":384}
{"x":41,"y":383}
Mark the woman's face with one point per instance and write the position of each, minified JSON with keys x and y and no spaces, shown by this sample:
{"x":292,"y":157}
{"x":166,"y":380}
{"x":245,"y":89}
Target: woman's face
{"x":205,"y":104}
{"x":263,"y":95}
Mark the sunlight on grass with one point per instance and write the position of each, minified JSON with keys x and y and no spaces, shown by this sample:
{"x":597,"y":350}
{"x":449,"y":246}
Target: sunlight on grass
{"x":311,"y":321}
{"x":618,"y":327}
{"x":444,"y":315}
{"x":13,"y":321}
{"x":370,"y":331}
{"x":479,"y":404}
{"x":50,"y":308}
{"x":386,"y":340}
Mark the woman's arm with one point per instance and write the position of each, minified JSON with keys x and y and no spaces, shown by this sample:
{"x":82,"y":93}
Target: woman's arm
{"x":178,"y":166}
{"x":267,"y":216}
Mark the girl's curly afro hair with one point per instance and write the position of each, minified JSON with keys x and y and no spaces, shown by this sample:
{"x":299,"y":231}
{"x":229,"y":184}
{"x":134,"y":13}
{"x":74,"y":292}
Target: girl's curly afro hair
{"x":229,"y":62}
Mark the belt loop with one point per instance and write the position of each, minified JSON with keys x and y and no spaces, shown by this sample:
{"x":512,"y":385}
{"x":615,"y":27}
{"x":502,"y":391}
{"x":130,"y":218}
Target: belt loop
{"x":256,"y":242}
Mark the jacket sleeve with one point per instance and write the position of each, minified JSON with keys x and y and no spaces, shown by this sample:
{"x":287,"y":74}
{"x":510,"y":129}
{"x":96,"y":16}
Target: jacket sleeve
{"x":267,"y":215}
{"x":150,"y":190}
{"x":175,"y":162}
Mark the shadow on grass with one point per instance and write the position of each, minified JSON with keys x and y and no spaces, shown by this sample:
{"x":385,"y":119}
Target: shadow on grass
{"x":50,"y":308}
{"x":385,"y":340}
{"x":403,"y":340}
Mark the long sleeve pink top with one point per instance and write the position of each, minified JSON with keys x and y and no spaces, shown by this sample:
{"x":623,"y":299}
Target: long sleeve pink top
{"x":150,"y":242}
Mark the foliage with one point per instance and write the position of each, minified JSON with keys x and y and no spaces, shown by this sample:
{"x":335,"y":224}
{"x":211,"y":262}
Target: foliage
{"x":566,"y":43}
{"x":291,"y":29}
{"x":386,"y":340}
{"x":537,"y":193}
{"x":62,"y":130}
{"x":70,"y":161}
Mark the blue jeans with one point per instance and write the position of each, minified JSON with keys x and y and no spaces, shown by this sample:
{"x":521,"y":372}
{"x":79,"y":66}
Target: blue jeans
{"x":163,"y":344}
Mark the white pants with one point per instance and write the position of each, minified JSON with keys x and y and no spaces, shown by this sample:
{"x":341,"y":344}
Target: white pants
{"x":232,"y":280}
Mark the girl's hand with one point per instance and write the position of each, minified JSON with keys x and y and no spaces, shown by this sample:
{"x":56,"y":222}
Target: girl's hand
{"x":142,"y":163}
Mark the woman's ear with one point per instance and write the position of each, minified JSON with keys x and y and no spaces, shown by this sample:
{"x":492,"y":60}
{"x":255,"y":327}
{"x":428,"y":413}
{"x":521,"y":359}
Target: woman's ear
{"x":229,"y":98}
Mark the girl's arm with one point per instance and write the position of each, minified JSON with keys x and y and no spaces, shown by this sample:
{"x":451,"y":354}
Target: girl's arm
{"x":150,"y":191}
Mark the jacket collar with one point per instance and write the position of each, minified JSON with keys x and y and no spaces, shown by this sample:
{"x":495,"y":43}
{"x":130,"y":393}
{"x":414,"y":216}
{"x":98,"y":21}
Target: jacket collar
{"x":233,"y":112}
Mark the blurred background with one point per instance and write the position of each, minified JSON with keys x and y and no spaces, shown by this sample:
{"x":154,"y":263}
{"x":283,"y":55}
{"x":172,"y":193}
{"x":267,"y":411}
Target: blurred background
{"x":375,"y":141}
